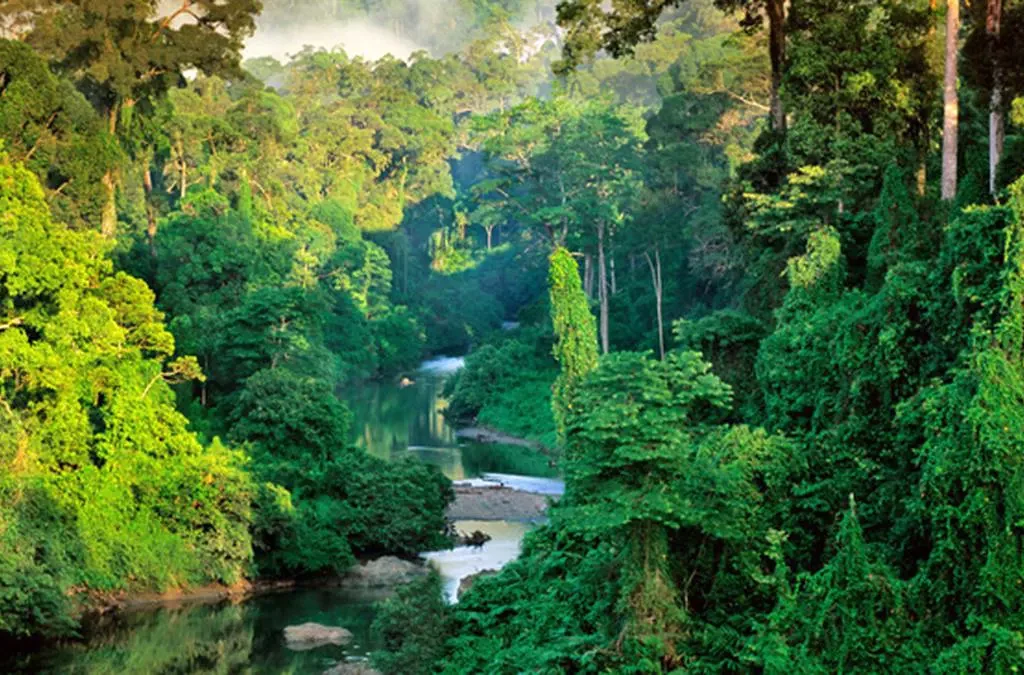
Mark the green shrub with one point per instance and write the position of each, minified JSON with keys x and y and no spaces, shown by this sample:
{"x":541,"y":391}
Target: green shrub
{"x":413,"y":626}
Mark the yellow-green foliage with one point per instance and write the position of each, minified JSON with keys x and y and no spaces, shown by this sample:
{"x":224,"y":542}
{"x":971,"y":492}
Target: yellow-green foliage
{"x":575,"y":333}
{"x":104,"y":487}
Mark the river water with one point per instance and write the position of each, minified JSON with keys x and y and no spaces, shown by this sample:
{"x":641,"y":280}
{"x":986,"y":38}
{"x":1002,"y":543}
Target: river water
{"x":391,"y":420}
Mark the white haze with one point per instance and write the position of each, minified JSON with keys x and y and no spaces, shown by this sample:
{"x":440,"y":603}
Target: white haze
{"x":357,"y":37}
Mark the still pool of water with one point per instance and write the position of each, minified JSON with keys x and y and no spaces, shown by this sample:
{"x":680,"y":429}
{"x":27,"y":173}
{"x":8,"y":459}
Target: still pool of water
{"x":392,"y":421}
{"x":224,"y":637}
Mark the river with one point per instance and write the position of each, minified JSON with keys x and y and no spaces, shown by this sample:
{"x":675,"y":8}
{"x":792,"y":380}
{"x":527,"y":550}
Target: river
{"x":391,"y":420}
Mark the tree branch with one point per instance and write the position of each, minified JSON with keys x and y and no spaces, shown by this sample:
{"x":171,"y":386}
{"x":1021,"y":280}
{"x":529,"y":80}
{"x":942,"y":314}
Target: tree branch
{"x":745,"y":101}
{"x":186,"y":8}
{"x":46,"y":127}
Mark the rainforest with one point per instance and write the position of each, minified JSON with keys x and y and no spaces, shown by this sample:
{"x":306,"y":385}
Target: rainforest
{"x":511,"y":336}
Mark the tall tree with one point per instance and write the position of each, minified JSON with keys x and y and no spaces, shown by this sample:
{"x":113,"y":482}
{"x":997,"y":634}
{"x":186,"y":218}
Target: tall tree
{"x":593,"y":26}
{"x":950,"y":102}
{"x":996,"y":121}
{"x":123,"y":55}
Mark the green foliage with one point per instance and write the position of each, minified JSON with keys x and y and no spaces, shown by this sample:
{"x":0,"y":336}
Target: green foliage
{"x":729,"y":340}
{"x":413,"y":626}
{"x":594,"y":590}
{"x":104,"y":488}
{"x":575,"y":334}
{"x":50,"y":127}
{"x":842,"y":339}
{"x":506,"y":384}
{"x":850,"y":616}
{"x":322,"y":500}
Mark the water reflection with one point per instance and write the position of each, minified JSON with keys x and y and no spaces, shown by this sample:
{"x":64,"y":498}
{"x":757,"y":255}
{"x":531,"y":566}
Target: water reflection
{"x":389,"y":418}
{"x":213,"y":638}
{"x":392,"y":421}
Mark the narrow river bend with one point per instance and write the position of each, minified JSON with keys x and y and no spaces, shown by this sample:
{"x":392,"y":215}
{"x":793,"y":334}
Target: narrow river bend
{"x":391,"y":420}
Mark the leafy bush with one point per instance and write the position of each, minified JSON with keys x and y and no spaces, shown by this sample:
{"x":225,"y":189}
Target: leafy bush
{"x":104,"y":487}
{"x":413,"y":626}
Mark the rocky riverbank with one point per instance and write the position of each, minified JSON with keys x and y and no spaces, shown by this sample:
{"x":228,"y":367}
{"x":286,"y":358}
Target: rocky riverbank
{"x":497,"y":502}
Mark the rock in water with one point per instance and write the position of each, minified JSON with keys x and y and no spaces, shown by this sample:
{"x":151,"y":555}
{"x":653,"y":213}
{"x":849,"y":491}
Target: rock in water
{"x":476,"y":539}
{"x":313,"y":635}
{"x":383,"y":572}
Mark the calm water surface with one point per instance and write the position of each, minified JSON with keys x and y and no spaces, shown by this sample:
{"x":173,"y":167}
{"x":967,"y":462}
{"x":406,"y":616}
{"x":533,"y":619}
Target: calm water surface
{"x":391,"y":421}
{"x":213,"y":638}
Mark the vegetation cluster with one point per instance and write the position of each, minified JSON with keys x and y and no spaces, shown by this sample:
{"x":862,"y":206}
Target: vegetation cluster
{"x":760,"y":279}
{"x":821,"y":471}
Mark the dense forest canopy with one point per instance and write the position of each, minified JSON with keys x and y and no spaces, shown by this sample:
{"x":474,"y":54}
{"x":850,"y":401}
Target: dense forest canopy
{"x":764,"y":260}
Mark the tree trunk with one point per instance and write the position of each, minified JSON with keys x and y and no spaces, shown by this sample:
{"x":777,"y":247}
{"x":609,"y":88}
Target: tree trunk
{"x":951,"y":102}
{"x":776,"y":10}
{"x":588,"y":275}
{"x":602,"y":288}
{"x":490,"y":232}
{"x":615,"y":284}
{"x":147,"y":184}
{"x":108,"y":219}
{"x":996,"y":123}
{"x":655,"y":266}
{"x":923,"y":144}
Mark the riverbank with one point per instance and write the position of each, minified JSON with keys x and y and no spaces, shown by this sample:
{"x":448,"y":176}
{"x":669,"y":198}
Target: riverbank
{"x":385,"y":572}
{"x":482,"y":434}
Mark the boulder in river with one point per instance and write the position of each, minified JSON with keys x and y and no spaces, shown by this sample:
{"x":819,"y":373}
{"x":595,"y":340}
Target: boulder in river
{"x":476,"y":538}
{"x":313,"y":635}
{"x":383,"y":572}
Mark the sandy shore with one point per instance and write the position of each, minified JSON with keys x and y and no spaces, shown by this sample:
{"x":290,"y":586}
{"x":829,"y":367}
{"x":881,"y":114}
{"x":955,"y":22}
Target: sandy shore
{"x":496,"y":503}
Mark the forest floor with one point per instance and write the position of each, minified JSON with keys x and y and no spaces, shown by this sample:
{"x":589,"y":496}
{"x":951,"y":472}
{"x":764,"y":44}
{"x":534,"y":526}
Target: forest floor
{"x":496,"y":503}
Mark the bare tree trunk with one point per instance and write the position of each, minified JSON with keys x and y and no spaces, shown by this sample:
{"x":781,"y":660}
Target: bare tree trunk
{"x":202,"y":387}
{"x":776,"y":10}
{"x":615,"y":284}
{"x":996,"y":123}
{"x":602,"y":288}
{"x":588,"y":275}
{"x":951,"y":102}
{"x":490,"y":232}
{"x":655,"y":266}
{"x":182,"y":170}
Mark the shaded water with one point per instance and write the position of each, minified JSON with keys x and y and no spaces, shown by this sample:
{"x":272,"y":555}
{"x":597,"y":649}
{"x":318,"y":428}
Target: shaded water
{"x":223,"y":637}
{"x":391,"y":421}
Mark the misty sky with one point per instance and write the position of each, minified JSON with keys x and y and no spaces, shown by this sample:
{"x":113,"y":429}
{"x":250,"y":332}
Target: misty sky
{"x":399,"y":28}
{"x":358,"y":37}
